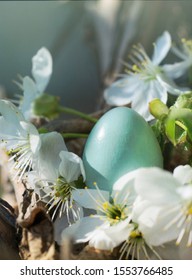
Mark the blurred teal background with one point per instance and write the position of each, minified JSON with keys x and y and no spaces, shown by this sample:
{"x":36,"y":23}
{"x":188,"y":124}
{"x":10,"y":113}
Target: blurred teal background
{"x":87,"y":39}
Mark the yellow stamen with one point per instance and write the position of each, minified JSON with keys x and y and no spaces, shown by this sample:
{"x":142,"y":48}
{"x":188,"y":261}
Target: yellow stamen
{"x":189,"y":212}
{"x":135,"y":234}
{"x":135,"y":68}
{"x":105,"y":205}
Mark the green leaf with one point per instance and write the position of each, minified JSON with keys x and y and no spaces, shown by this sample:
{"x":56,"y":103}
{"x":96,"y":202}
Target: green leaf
{"x":170,"y":129}
{"x":184,"y":101}
{"x":178,"y":125}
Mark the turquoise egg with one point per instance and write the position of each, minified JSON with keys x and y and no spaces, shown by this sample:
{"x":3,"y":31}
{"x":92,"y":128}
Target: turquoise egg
{"x":121,"y":141}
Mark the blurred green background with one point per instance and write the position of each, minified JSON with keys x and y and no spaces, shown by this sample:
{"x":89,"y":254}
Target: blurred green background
{"x":87,"y":39}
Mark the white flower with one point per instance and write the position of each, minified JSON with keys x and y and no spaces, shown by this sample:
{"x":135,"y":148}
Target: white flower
{"x":19,"y":138}
{"x":55,"y":177}
{"x":164,"y":207}
{"x":30,"y":93}
{"x":101,"y":229}
{"x":42,"y":68}
{"x":178,"y":69}
{"x":41,"y":71}
{"x":145,"y":80}
{"x":112,"y":225}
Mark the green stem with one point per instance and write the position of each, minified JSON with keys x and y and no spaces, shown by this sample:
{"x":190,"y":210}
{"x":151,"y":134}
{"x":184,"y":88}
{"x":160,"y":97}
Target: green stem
{"x":77,"y":113}
{"x":74,"y":135}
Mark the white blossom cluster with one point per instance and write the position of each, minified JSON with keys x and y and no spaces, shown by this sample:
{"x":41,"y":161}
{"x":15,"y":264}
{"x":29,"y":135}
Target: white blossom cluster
{"x":148,"y":216}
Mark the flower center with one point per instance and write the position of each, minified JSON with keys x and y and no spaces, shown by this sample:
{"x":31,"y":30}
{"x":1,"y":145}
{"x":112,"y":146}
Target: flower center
{"x":136,"y":234}
{"x":110,"y":210}
{"x":113,"y":212}
{"x":59,"y":198}
{"x":142,"y":64}
{"x":62,"y":189}
{"x":135,"y":246}
{"x":21,"y":155}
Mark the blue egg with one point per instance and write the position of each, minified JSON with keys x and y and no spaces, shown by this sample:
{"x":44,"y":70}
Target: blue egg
{"x":121,"y":141}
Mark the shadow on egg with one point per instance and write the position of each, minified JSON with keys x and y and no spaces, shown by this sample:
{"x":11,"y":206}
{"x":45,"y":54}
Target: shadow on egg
{"x":103,"y":182}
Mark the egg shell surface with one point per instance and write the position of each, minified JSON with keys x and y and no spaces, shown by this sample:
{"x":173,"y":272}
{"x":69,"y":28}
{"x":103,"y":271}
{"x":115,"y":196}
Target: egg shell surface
{"x":121,"y":141}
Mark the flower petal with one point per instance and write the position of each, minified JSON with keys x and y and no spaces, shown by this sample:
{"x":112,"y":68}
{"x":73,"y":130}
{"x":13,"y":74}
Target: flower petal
{"x":10,"y":112}
{"x":29,"y":94}
{"x":124,"y":190}
{"x":161,"y":47}
{"x":122,"y":91}
{"x":183,"y":173}
{"x":82,"y":230}
{"x":48,"y":159}
{"x":170,"y":86}
{"x":185,"y":192}
{"x":179,"y":53}
{"x":146,"y":93}
{"x":42,"y":68}
{"x":8,"y":131}
{"x":176,"y":70}
{"x":90,"y":198}
{"x":61,"y":223}
{"x":10,"y":124}
{"x":152,"y":220}
{"x":110,"y":237}
{"x":33,"y":134}
{"x":157,"y":185}
{"x":71,"y":166}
